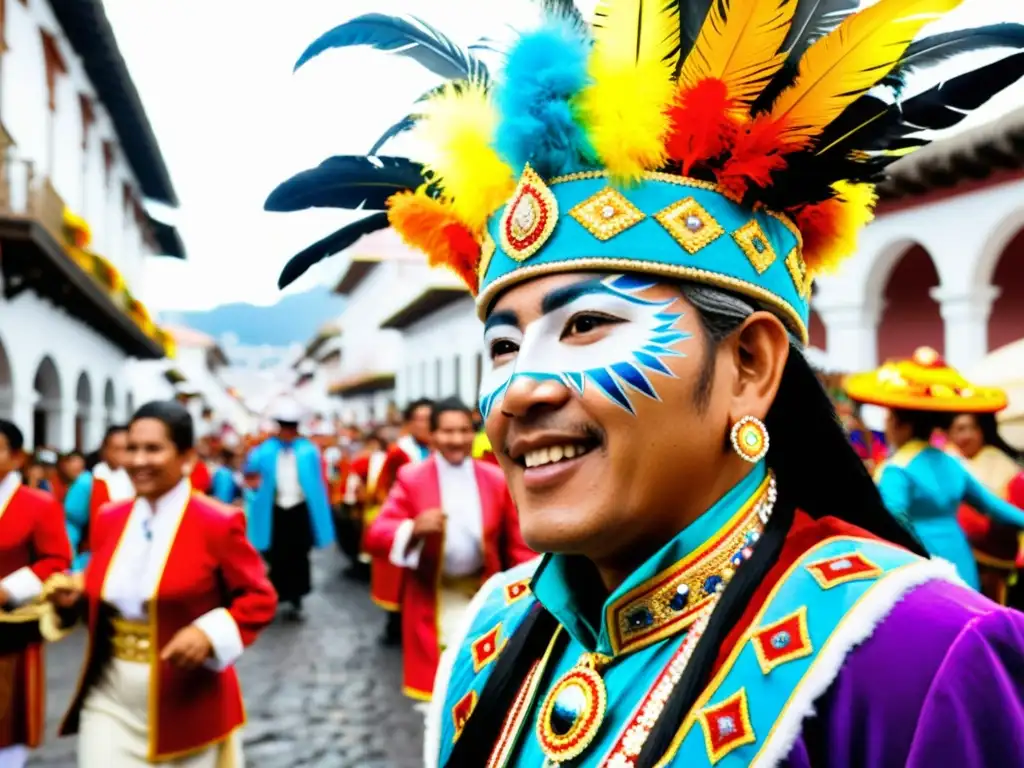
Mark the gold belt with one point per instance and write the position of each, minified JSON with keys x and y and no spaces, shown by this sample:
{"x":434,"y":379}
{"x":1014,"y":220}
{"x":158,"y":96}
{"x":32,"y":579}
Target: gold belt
{"x":132,"y":641}
{"x":466,"y":585}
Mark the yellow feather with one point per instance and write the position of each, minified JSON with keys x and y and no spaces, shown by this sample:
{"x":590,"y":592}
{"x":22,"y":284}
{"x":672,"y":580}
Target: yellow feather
{"x":631,"y":67}
{"x":739,"y":44}
{"x":636,"y":31}
{"x":840,"y":67}
{"x":456,"y":133}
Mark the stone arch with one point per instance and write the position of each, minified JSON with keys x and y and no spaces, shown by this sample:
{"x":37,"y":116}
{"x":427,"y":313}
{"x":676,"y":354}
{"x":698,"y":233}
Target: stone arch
{"x":910,"y":317}
{"x":83,"y":412}
{"x":6,"y":384}
{"x":109,"y":404}
{"x":999,"y":241}
{"x":1006,"y":320}
{"x":47,"y":413}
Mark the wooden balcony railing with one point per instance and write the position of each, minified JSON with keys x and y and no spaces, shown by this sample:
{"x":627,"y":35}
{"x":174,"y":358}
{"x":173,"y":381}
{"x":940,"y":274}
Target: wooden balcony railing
{"x":24,"y":193}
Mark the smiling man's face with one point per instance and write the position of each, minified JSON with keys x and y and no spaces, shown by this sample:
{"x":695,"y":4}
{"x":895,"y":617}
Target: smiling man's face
{"x":592,"y":406}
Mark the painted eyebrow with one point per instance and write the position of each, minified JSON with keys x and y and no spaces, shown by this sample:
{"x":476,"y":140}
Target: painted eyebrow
{"x":559,"y":297}
{"x":502,"y":317}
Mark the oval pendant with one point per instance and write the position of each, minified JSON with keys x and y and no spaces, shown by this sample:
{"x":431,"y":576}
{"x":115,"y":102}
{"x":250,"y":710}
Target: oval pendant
{"x":572,"y":714}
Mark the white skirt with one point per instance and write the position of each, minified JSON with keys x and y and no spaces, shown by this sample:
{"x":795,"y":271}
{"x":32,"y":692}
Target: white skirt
{"x":114,"y":728}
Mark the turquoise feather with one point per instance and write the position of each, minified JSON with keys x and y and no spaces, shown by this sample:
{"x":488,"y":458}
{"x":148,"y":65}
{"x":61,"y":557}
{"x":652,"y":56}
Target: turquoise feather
{"x":544,"y":72}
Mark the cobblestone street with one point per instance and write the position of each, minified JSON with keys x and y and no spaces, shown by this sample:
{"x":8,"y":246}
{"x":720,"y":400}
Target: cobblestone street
{"x":322,"y":693}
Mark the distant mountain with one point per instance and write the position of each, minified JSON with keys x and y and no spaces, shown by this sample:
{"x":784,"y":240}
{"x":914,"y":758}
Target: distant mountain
{"x":294,"y":319}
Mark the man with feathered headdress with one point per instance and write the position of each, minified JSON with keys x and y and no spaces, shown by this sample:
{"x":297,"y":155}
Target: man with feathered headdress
{"x":640,"y":205}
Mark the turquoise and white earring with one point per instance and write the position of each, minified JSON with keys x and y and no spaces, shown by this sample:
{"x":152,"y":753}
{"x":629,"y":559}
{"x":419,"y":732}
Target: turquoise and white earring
{"x":750,"y":439}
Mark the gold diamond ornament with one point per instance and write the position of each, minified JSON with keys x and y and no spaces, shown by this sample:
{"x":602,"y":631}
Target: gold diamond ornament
{"x":690,"y":224}
{"x":607,"y":214}
{"x":798,"y":271}
{"x":754,"y":243}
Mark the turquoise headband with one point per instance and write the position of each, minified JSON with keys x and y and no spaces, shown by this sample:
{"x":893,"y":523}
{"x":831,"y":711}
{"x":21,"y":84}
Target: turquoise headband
{"x":664,"y":225}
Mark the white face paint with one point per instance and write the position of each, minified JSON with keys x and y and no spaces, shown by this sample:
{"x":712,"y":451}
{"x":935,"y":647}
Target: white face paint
{"x":640,"y":333}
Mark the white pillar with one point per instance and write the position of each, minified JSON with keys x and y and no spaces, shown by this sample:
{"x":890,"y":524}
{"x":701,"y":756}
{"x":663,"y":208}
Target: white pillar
{"x":61,"y":421}
{"x":22,"y":405}
{"x":852,"y":333}
{"x":965,"y":313}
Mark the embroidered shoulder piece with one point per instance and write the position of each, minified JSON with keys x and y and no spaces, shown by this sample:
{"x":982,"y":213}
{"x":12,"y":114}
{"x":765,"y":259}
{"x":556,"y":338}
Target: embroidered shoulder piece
{"x":500,"y":614}
{"x":827,"y":603}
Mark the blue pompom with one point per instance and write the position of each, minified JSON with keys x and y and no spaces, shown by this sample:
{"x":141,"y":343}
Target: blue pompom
{"x":545,"y":70}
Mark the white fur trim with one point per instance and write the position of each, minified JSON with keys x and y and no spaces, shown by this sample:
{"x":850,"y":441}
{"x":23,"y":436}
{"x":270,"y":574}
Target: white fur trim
{"x":857,"y":626}
{"x":401,"y":554}
{"x":220,"y":627}
{"x":23,"y":586}
{"x":432,"y":726}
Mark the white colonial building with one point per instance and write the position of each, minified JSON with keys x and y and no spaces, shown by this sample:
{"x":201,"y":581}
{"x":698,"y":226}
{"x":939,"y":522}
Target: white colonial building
{"x":78,"y":159}
{"x":380,"y":276}
{"x":198,"y":370}
{"x":442,"y":343}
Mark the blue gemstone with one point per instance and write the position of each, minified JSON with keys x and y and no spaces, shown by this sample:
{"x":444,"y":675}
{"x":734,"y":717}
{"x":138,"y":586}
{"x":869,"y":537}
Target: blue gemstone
{"x":711,"y":584}
{"x":640,"y":618}
{"x":678,"y":602}
{"x":737,"y":560}
{"x":752,"y":537}
{"x":780,"y":639}
{"x":726,"y":725}
{"x":569,"y":705}
{"x":758,"y":244}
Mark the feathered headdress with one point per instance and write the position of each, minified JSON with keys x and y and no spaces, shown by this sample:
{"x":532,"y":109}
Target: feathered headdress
{"x":731,"y":142}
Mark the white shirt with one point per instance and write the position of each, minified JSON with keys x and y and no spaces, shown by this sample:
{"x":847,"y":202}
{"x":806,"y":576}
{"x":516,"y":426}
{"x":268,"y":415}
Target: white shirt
{"x":463,"y":533}
{"x":138,"y":564}
{"x":286,"y":483}
{"x":119,"y":483}
{"x":139,"y":560}
{"x":463,"y":530}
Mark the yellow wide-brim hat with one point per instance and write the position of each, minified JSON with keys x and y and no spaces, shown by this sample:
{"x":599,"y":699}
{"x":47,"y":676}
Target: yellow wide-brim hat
{"x":923,"y":383}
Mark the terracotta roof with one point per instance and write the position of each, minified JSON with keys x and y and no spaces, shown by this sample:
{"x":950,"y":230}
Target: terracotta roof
{"x":189,"y":337}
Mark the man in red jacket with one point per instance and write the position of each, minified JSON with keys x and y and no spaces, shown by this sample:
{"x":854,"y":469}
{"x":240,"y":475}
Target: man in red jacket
{"x":450,"y":523}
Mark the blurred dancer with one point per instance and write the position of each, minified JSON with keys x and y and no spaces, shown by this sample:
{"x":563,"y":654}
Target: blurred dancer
{"x":108,"y":481}
{"x":449,"y":523}
{"x":172,"y":596}
{"x":33,"y":546}
{"x":289,"y":514}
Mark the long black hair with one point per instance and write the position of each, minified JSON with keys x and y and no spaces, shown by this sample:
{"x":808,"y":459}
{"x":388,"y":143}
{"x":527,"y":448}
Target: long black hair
{"x":990,"y":434}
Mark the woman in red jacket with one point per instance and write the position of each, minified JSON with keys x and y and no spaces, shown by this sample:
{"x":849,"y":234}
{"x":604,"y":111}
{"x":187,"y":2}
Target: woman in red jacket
{"x":173,"y":594}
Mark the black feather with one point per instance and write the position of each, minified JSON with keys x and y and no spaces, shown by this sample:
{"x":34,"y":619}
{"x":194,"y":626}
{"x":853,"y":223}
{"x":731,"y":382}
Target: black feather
{"x":692,"y":14}
{"x":563,"y":9}
{"x":407,"y":123}
{"x":413,"y":38}
{"x":938,"y":48}
{"x":849,"y":148}
{"x":346,"y":181}
{"x":334,"y":243}
{"x":812,"y":20}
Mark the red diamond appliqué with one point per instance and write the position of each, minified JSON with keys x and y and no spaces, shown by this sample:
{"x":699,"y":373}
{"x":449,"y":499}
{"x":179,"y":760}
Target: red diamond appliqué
{"x":843,"y":568}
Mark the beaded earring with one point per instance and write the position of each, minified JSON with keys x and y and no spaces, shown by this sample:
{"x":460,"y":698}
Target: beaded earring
{"x":750,"y":439}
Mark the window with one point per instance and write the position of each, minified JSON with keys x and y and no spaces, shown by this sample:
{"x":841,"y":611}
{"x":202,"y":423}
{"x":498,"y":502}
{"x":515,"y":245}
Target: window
{"x":438,"y":377}
{"x":479,"y":372}
{"x":458,"y":376}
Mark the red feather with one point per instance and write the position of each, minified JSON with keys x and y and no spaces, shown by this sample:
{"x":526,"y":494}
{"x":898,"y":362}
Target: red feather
{"x":702,"y":125}
{"x":821,"y":227}
{"x":756,"y":153}
{"x":464,"y":254}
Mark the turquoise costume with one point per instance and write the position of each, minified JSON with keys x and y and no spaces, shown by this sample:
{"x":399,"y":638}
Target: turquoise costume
{"x":76,"y":515}
{"x":924,"y":487}
{"x":263,"y":461}
{"x":224,"y":486}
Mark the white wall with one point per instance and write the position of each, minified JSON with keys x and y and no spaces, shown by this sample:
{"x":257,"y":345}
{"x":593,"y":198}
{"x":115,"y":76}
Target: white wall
{"x":31,"y":331}
{"x":434,"y":344}
{"x":53,"y":141}
{"x":965,"y":235}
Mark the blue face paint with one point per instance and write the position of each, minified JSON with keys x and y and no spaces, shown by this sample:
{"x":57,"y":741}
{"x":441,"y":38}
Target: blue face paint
{"x":640,"y":337}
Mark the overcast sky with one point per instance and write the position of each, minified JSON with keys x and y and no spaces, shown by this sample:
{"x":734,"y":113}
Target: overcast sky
{"x":233,"y":120}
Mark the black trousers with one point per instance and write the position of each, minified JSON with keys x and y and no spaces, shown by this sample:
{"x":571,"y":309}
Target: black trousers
{"x":288,"y":557}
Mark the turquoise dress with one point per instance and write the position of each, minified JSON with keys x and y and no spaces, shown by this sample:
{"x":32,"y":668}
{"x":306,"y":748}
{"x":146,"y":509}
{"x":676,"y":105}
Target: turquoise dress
{"x":924,"y":487}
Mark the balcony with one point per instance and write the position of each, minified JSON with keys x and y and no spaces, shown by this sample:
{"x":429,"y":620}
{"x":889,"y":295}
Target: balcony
{"x":35,"y":255}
